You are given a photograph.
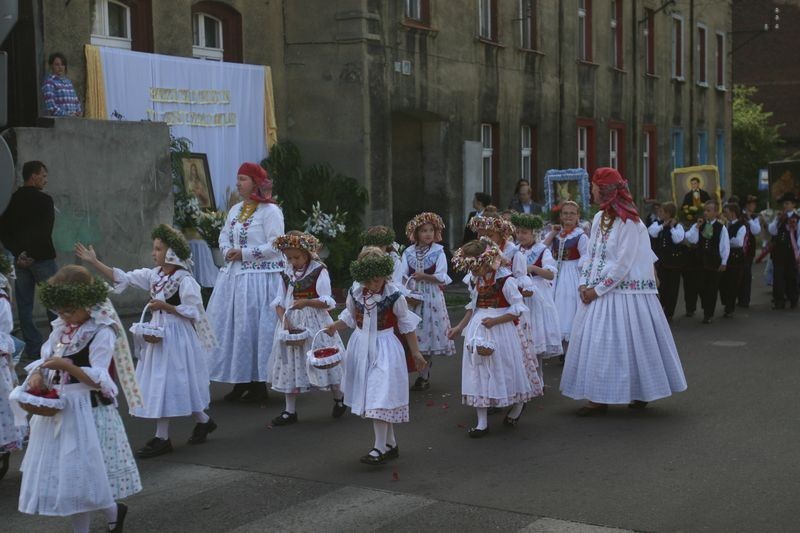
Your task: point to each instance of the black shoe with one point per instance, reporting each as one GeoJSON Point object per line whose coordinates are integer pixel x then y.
{"type": "Point", "coordinates": [421, 384]}
{"type": "Point", "coordinates": [154, 448]}
{"type": "Point", "coordinates": [475, 433]}
{"type": "Point", "coordinates": [201, 431]}
{"type": "Point", "coordinates": [122, 511]}
{"type": "Point", "coordinates": [512, 422]}
{"type": "Point", "coordinates": [256, 392]}
{"type": "Point", "coordinates": [373, 460]}
{"type": "Point", "coordinates": [393, 453]}
{"type": "Point", "coordinates": [4, 457]}
{"type": "Point", "coordinates": [707, 320]}
{"type": "Point", "coordinates": [284, 419]}
{"type": "Point", "coordinates": [339, 408]}
{"type": "Point", "coordinates": [637, 404]}
{"type": "Point", "coordinates": [236, 393]}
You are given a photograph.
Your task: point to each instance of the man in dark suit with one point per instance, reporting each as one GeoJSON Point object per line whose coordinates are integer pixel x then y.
{"type": "Point", "coordinates": [696, 197]}
{"type": "Point", "coordinates": [479, 203]}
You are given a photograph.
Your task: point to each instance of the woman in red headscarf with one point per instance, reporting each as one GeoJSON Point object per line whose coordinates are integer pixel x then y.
{"type": "Point", "coordinates": [239, 310]}
{"type": "Point", "coordinates": [621, 349]}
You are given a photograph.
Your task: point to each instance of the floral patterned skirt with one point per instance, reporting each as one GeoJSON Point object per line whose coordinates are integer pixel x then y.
{"type": "Point", "coordinates": [123, 474]}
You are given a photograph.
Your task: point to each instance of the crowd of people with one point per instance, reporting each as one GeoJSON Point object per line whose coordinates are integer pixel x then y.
{"type": "Point", "coordinates": [598, 294]}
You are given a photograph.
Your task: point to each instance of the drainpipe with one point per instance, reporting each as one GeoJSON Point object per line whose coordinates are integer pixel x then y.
{"type": "Point", "coordinates": [691, 84]}
{"type": "Point", "coordinates": [559, 60]}
{"type": "Point", "coordinates": [635, 133]}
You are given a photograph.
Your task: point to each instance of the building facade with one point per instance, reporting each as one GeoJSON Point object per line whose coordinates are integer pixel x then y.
{"type": "Point", "coordinates": [428, 101]}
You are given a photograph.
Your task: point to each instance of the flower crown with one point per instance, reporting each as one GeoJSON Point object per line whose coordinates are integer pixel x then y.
{"type": "Point", "coordinates": [371, 268]}
{"type": "Point", "coordinates": [420, 220]}
{"type": "Point", "coordinates": [5, 265]}
{"type": "Point", "coordinates": [488, 257]}
{"type": "Point", "coordinates": [304, 241]}
{"type": "Point", "coordinates": [73, 295]}
{"type": "Point", "coordinates": [498, 224]}
{"type": "Point", "coordinates": [524, 220]}
{"type": "Point", "coordinates": [378, 236]}
{"type": "Point", "coordinates": [174, 239]}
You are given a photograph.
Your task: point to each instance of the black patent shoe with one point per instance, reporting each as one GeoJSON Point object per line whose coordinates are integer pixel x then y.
{"type": "Point", "coordinates": [284, 419]}
{"type": "Point", "coordinates": [475, 433]}
{"type": "Point", "coordinates": [256, 392]}
{"type": "Point", "coordinates": [512, 422]}
{"type": "Point", "coordinates": [339, 408]}
{"type": "Point", "coordinates": [373, 460]}
{"type": "Point", "coordinates": [235, 395]}
{"type": "Point", "coordinates": [201, 431]}
{"type": "Point", "coordinates": [393, 452]}
{"type": "Point", "coordinates": [122, 512]}
{"type": "Point", "coordinates": [154, 448]}
{"type": "Point", "coordinates": [4, 457]}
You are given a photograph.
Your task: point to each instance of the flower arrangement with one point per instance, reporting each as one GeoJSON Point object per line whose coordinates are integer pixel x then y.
{"type": "Point", "coordinates": [73, 295]}
{"type": "Point", "coordinates": [372, 268]}
{"type": "Point", "coordinates": [492, 223]}
{"type": "Point", "coordinates": [303, 241]}
{"type": "Point", "coordinates": [187, 210]}
{"type": "Point", "coordinates": [690, 213]}
{"type": "Point", "coordinates": [209, 224]}
{"type": "Point", "coordinates": [323, 224]}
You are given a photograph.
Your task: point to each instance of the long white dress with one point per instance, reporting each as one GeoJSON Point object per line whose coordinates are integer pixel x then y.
{"type": "Point", "coordinates": [64, 470]}
{"type": "Point", "coordinates": [622, 347]}
{"type": "Point", "coordinates": [239, 309]}
{"type": "Point", "coordinates": [509, 375]}
{"type": "Point", "coordinates": [11, 434]}
{"type": "Point", "coordinates": [565, 296]}
{"type": "Point", "coordinates": [375, 381]}
{"type": "Point", "coordinates": [291, 372]}
{"type": "Point", "coordinates": [542, 312]}
{"type": "Point", "coordinates": [434, 323]}
{"type": "Point", "coordinates": [172, 374]}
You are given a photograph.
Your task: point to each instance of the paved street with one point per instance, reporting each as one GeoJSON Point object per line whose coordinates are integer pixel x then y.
{"type": "Point", "coordinates": [720, 457]}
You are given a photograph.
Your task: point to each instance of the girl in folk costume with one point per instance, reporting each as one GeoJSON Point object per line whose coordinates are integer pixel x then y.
{"type": "Point", "coordinates": [172, 372]}
{"type": "Point", "coordinates": [11, 434]}
{"type": "Point", "coordinates": [79, 460]}
{"type": "Point", "coordinates": [244, 322]}
{"type": "Point", "coordinates": [501, 232]}
{"type": "Point", "coordinates": [302, 307]}
{"type": "Point", "coordinates": [541, 269]}
{"type": "Point", "coordinates": [666, 237]}
{"type": "Point", "coordinates": [622, 350]}
{"type": "Point", "coordinates": [375, 382]}
{"type": "Point", "coordinates": [424, 265]}
{"type": "Point", "coordinates": [495, 370]}
{"type": "Point", "coordinates": [568, 244]}
{"type": "Point", "coordinates": [383, 237]}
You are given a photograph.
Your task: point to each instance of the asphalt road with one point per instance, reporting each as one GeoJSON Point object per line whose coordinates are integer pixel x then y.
{"type": "Point", "coordinates": [721, 456]}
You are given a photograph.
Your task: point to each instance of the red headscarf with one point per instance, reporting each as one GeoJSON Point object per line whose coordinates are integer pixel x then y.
{"type": "Point", "coordinates": [614, 194]}
{"type": "Point", "coordinates": [263, 185]}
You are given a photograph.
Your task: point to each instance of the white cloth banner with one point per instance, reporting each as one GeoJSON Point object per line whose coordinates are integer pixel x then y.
{"type": "Point", "coordinates": [218, 106]}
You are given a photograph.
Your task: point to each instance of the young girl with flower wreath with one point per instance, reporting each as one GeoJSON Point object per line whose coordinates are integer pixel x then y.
{"type": "Point", "coordinates": [495, 371]}
{"type": "Point", "coordinates": [500, 231]}
{"type": "Point", "coordinates": [172, 373]}
{"type": "Point", "coordinates": [303, 305]}
{"type": "Point", "coordinates": [375, 382]}
{"type": "Point", "coordinates": [541, 270]}
{"type": "Point", "coordinates": [11, 434]}
{"type": "Point", "coordinates": [568, 242]}
{"type": "Point", "coordinates": [424, 265]}
{"type": "Point", "coordinates": [79, 460]}
{"type": "Point", "coordinates": [383, 237]}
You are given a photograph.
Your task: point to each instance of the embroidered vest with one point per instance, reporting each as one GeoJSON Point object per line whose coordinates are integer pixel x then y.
{"type": "Point", "coordinates": [670, 255]}
{"type": "Point", "coordinates": [709, 248]}
{"type": "Point", "coordinates": [386, 317]}
{"type": "Point", "coordinates": [491, 296]}
{"type": "Point", "coordinates": [571, 252]}
{"type": "Point", "coordinates": [305, 288]}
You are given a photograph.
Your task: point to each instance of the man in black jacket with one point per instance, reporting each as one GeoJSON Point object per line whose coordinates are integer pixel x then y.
{"type": "Point", "coordinates": [479, 203]}
{"type": "Point", "coordinates": [26, 229]}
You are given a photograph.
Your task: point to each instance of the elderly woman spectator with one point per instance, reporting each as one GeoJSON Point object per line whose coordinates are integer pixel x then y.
{"type": "Point", "coordinates": [60, 99]}
{"type": "Point", "coordinates": [522, 202]}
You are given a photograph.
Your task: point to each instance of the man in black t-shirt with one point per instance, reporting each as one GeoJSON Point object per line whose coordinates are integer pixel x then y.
{"type": "Point", "coordinates": [26, 229]}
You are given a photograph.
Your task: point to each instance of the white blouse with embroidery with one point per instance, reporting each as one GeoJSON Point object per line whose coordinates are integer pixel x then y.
{"type": "Point", "coordinates": [254, 238]}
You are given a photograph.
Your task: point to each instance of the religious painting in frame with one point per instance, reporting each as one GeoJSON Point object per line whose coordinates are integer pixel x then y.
{"type": "Point", "coordinates": [569, 184]}
{"type": "Point", "coordinates": [197, 180]}
{"type": "Point", "coordinates": [784, 176]}
{"type": "Point", "coordinates": [692, 187]}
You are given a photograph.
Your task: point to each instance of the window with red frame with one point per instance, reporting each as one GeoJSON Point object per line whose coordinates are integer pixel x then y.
{"type": "Point", "coordinates": [586, 145]}
{"type": "Point", "coordinates": [231, 28]}
{"type": "Point", "coordinates": [720, 60]}
{"type": "Point", "coordinates": [649, 161]}
{"type": "Point", "coordinates": [616, 146]}
{"type": "Point", "coordinates": [527, 25]}
{"type": "Point", "coordinates": [418, 11]}
{"type": "Point", "coordinates": [487, 20]}
{"type": "Point", "coordinates": [650, 42]}
{"type": "Point", "coordinates": [677, 47]}
{"type": "Point", "coordinates": [585, 30]}
{"type": "Point", "coordinates": [702, 56]}
{"type": "Point", "coordinates": [617, 51]}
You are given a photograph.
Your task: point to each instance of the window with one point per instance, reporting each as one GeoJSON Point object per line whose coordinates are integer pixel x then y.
{"type": "Point", "coordinates": [585, 30]}
{"type": "Point", "coordinates": [702, 147]}
{"type": "Point", "coordinates": [206, 37]}
{"type": "Point", "coordinates": [487, 15]}
{"type": "Point", "coordinates": [487, 142]}
{"type": "Point", "coordinates": [720, 156]}
{"type": "Point", "coordinates": [111, 24]}
{"type": "Point", "coordinates": [650, 42]}
{"type": "Point", "coordinates": [616, 34]}
{"type": "Point", "coordinates": [527, 24]}
{"type": "Point", "coordinates": [649, 146]}
{"type": "Point", "coordinates": [526, 153]}
{"type": "Point", "coordinates": [720, 55]}
{"type": "Point", "coordinates": [586, 145]}
{"type": "Point", "coordinates": [677, 47]}
{"type": "Point", "coordinates": [702, 56]}
{"type": "Point", "coordinates": [418, 10]}
{"type": "Point", "coordinates": [616, 146]}
{"type": "Point", "coordinates": [677, 148]}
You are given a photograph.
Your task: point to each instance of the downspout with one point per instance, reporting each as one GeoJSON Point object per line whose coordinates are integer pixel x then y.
{"type": "Point", "coordinates": [635, 133]}
{"type": "Point", "coordinates": [560, 62]}
{"type": "Point", "coordinates": [691, 78]}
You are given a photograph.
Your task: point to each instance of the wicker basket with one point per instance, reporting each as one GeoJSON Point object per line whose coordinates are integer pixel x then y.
{"type": "Point", "coordinates": [293, 336]}
{"type": "Point", "coordinates": [39, 410]}
{"type": "Point", "coordinates": [147, 330]}
{"type": "Point", "coordinates": [526, 293]}
{"type": "Point", "coordinates": [323, 358]}
{"type": "Point", "coordinates": [46, 407]}
{"type": "Point", "coordinates": [482, 346]}
{"type": "Point", "coordinates": [414, 297]}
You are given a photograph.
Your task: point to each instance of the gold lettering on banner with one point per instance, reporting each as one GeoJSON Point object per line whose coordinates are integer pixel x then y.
{"type": "Point", "coordinates": [170, 95]}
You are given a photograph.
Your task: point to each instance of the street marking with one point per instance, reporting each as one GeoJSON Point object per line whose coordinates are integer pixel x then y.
{"type": "Point", "coordinates": [729, 344]}
{"type": "Point", "coordinates": [551, 525]}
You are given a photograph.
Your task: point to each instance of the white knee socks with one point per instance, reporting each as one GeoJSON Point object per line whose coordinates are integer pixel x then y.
{"type": "Point", "coordinates": [381, 429]}
{"type": "Point", "coordinates": [111, 515]}
{"type": "Point", "coordinates": [200, 417]}
{"type": "Point", "coordinates": [516, 410]}
{"type": "Point", "coordinates": [483, 418]}
{"type": "Point", "coordinates": [291, 403]}
{"type": "Point", "coordinates": [162, 428]}
{"type": "Point", "coordinates": [337, 394]}
{"type": "Point", "coordinates": [390, 440]}
{"type": "Point", "coordinates": [81, 522]}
